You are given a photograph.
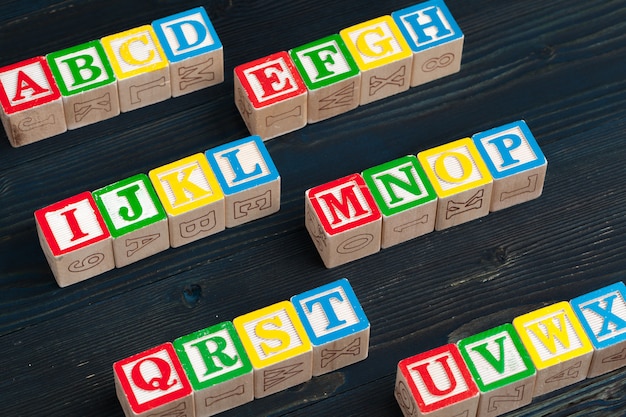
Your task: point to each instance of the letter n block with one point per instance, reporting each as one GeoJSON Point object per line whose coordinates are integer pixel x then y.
{"type": "Point", "coordinates": [336, 325]}
{"type": "Point", "coordinates": [32, 108]}
{"type": "Point", "coordinates": [436, 384]}
{"type": "Point", "coordinates": [603, 316]}
{"type": "Point", "coordinates": [278, 347]}
{"type": "Point", "coordinates": [75, 239]}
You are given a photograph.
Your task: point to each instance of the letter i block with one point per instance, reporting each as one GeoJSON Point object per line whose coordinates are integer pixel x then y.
{"type": "Point", "coordinates": [405, 197]}
{"type": "Point", "coordinates": [191, 197]}
{"type": "Point", "coordinates": [135, 217]}
{"type": "Point", "coordinates": [140, 65]}
{"type": "Point", "coordinates": [75, 239]}
{"type": "Point", "coordinates": [516, 163]}
{"type": "Point", "coordinates": [435, 39]}
{"type": "Point", "coordinates": [603, 316]}
{"type": "Point", "coordinates": [271, 96]}
{"type": "Point", "coordinates": [277, 346]}
{"type": "Point", "coordinates": [249, 179]}
{"type": "Point", "coordinates": [436, 383]}
{"type": "Point", "coordinates": [461, 180]}
{"type": "Point", "coordinates": [502, 369]}
{"type": "Point", "coordinates": [343, 220]}
{"type": "Point", "coordinates": [331, 76]}
{"type": "Point", "coordinates": [87, 83]}
{"type": "Point", "coordinates": [217, 367]}
{"type": "Point", "coordinates": [32, 108]}
{"type": "Point", "coordinates": [557, 344]}
{"type": "Point", "coordinates": [153, 383]}
{"type": "Point", "coordinates": [193, 49]}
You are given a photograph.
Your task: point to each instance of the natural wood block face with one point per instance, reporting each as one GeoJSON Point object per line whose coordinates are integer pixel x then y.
{"type": "Point", "coordinates": [278, 347]}
{"type": "Point", "coordinates": [74, 239]}
{"type": "Point", "coordinates": [461, 180]}
{"type": "Point", "coordinates": [405, 197]}
{"type": "Point", "coordinates": [32, 108]}
{"type": "Point", "coordinates": [336, 325]}
{"type": "Point", "coordinates": [602, 314]}
{"type": "Point", "coordinates": [516, 163]}
{"type": "Point", "coordinates": [194, 51]}
{"type": "Point", "coordinates": [435, 40]}
{"type": "Point", "coordinates": [557, 344]}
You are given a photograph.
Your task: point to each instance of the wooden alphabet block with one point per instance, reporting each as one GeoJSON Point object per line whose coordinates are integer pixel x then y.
{"type": "Point", "coordinates": [405, 197]}
{"type": "Point", "coordinates": [502, 369]}
{"type": "Point", "coordinates": [602, 314]}
{"type": "Point", "coordinates": [436, 383]}
{"type": "Point", "coordinates": [383, 56]}
{"type": "Point", "coordinates": [332, 77]}
{"type": "Point", "coordinates": [278, 347]}
{"type": "Point", "coordinates": [461, 180]}
{"type": "Point", "coordinates": [516, 163]}
{"type": "Point", "coordinates": [343, 220]}
{"type": "Point", "coordinates": [140, 65]}
{"type": "Point", "coordinates": [271, 96]}
{"type": "Point", "coordinates": [218, 369]}
{"type": "Point", "coordinates": [435, 39]}
{"type": "Point", "coordinates": [74, 239]}
{"type": "Point", "coordinates": [135, 218]}
{"type": "Point", "coordinates": [31, 104]}
{"type": "Point", "coordinates": [248, 178]}
{"type": "Point", "coordinates": [336, 325]}
{"type": "Point", "coordinates": [87, 84]}
{"type": "Point", "coordinates": [193, 49]}
{"type": "Point", "coordinates": [557, 344]}
{"type": "Point", "coordinates": [192, 198]}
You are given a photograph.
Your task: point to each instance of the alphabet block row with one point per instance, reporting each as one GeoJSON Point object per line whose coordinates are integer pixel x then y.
{"type": "Point", "coordinates": [175, 204]}
{"type": "Point", "coordinates": [357, 215]}
{"type": "Point", "coordinates": [44, 96]}
{"type": "Point", "coordinates": [504, 368]}
{"type": "Point", "coordinates": [255, 355]}
{"type": "Point", "coordinates": [284, 91]}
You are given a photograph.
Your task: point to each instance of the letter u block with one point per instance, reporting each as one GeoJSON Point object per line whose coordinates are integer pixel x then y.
{"type": "Point", "coordinates": [278, 347]}
{"type": "Point", "coordinates": [436, 383]}
{"type": "Point", "coordinates": [74, 239]}
{"type": "Point", "coordinates": [343, 220]}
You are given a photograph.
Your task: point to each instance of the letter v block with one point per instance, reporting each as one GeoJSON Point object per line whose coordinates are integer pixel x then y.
{"type": "Point", "coordinates": [603, 316]}
{"type": "Point", "coordinates": [336, 325]}
{"type": "Point", "coordinates": [75, 239]}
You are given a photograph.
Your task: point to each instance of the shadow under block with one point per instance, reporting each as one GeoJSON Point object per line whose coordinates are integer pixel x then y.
{"type": "Point", "coordinates": [461, 180]}
{"type": "Point", "coordinates": [218, 369]}
{"type": "Point", "coordinates": [516, 163]}
{"type": "Point", "coordinates": [278, 347]}
{"type": "Point", "coordinates": [191, 197]}
{"type": "Point", "coordinates": [336, 325]}
{"type": "Point", "coordinates": [32, 107]}
{"type": "Point", "coordinates": [602, 314]}
{"type": "Point", "coordinates": [343, 220]}
{"type": "Point", "coordinates": [405, 197]}
{"type": "Point", "coordinates": [74, 239]}
{"type": "Point", "coordinates": [435, 39]}
{"type": "Point", "coordinates": [194, 51]}
{"type": "Point", "coordinates": [270, 95]}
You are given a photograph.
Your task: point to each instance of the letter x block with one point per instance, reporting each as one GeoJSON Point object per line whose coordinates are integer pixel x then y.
{"type": "Point", "coordinates": [602, 314]}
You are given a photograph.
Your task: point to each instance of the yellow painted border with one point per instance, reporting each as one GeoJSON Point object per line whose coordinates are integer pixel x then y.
{"type": "Point", "coordinates": [121, 74]}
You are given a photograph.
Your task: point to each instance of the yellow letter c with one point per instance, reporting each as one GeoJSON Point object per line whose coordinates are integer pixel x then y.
{"type": "Point", "coordinates": [126, 53]}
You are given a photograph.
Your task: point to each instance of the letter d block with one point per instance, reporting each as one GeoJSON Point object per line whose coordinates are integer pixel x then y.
{"type": "Point", "coordinates": [75, 239]}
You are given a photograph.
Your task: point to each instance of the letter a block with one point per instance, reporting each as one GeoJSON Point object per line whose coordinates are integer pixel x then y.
{"type": "Point", "coordinates": [217, 367]}
{"type": "Point", "coordinates": [74, 239]}
{"type": "Point", "coordinates": [603, 316]}
{"type": "Point", "coordinates": [557, 344]}
{"type": "Point", "coordinates": [193, 49]}
{"type": "Point", "coordinates": [336, 325]}
{"type": "Point", "coordinates": [343, 220]}
{"type": "Point", "coordinates": [278, 347]}
{"type": "Point", "coordinates": [436, 384]}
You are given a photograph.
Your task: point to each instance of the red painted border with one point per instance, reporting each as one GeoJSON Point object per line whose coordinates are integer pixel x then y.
{"type": "Point", "coordinates": [6, 103]}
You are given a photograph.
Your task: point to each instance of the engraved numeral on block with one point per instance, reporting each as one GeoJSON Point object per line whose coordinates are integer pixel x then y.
{"type": "Point", "coordinates": [86, 263]}
{"type": "Point", "coordinates": [438, 62]}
